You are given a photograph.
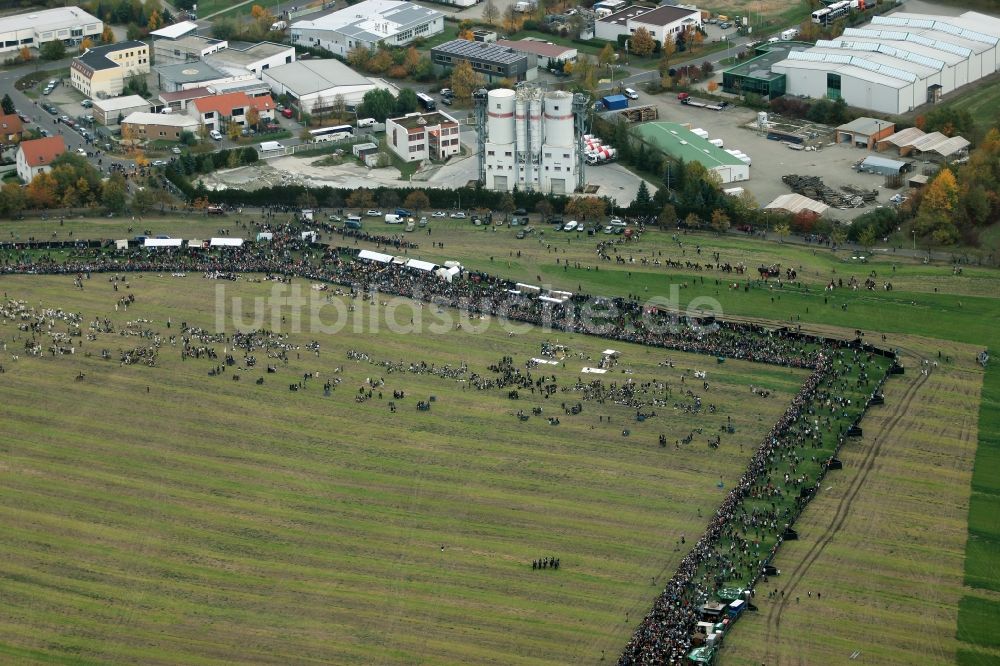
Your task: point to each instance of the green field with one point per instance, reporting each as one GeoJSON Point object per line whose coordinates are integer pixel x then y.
{"type": "Point", "coordinates": [885, 541]}
{"type": "Point", "coordinates": [217, 521]}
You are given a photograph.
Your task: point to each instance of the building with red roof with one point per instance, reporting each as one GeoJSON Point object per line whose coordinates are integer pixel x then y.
{"type": "Point", "coordinates": [218, 111]}
{"type": "Point", "coordinates": [36, 156]}
{"type": "Point", "coordinates": [10, 127]}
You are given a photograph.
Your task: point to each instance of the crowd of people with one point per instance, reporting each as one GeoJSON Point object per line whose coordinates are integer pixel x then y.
{"type": "Point", "coordinates": [730, 548]}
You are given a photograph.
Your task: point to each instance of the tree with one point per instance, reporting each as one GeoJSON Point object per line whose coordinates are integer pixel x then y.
{"type": "Point", "coordinates": [85, 44]}
{"type": "Point", "coordinates": [154, 22]}
{"type": "Point", "coordinates": [607, 56]}
{"type": "Point", "coordinates": [692, 221]}
{"type": "Point", "coordinates": [667, 51]}
{"type": "Point", "coordinates": [25, 54]}
{"type": "Point", "coordinates": [261, 15]}
{"type": "Point", "coordinates": [42, 191]}
{"type": "Point", "coordinates": [490, 12]}
{"type": "Point", "coordinates": [507, 205]}
{"type": "Point", "coordinates": [712, 86]}
{"type": "Point", "coordinates": [12, 200]}
{"type": "Point", "coordinates": [719, 221]}
{"type": "Point", "coordinates": [950, 121]}
{"type": "Point", "coordinates": [378, 104]}
{"type": "Point", "coordinates": [339, 107]}
{"type": "Point", "coordinates": [358, 57]}
{"type": "Point", "coordinates": [225, 28]}
{"type": "Point", "coordinates": [867, 238]}
{"type": "Point", "coordinates": [144, 200]}
{"type": "Point", "coordinates": [406, 102]}
{"type": "Point", "coordinates": [54, 50]}
{"type": "Point", "coordinates": [642, 43]}
{"type": "Point", "coordinates": [783, 230]}
{"type": "Point", "coordinates": [7, 104]}
{"type": "Point", "coordinates": [381, 61]}
{"type": "Point", "coordinates": [544, 208]}
{"type": "Point", "coordinates": [642, 198]}
{"type": "Point", "coordinates": [838, 236]}
{"type": "Point", "coordinates": [586, 208]}
{"type": "Point", "coordinates": [417, 201]}
{"type": "Point", "coordinates": [108, 35]}
{"type": "Point", "coordinates": [233, 130]}
{"type": "Point", "coordinates": [361, 198]}
{"type": "Point", "coordinates": [465, 81]}
{"type": "Point", "coordinates": [388, 198]}
{"type": "Point", "coordinates": [667, 217]}
{"type": "Point", "coordinates": [512, 20]}
{"type": "Point", "coordinates": [253, 117]}
{"type": "Point", "coordinates": [941, 195]}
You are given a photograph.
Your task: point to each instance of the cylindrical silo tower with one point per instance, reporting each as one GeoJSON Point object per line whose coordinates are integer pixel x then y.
{"type": "Point", "coordinates": [500, 116]}
{"type": "Point", "coordinates": [521, 125]}
{"type": "Point", "coordinates": [535, 126]}
{"type": "Point", "coordinates": [558, 118]}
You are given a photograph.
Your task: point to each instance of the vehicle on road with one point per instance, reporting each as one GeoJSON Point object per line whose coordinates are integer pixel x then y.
{"type": "Point", "coordinates": [631, 94]}
{"type": "Point", "coordinates": [457, 216]}
{"type": "Point", "coordinates": [426, 101]}
{"type": "Point", "coordinates": [86, 104]}
{"type": "Point", "coordinates": [176, 150]}
{"type": "Point", "coordinates": [725, 26]}
{"type": "Point", "coordinates": [159, 163]}
{"type": "Point", "coordinates": [373, 213]}
{"type": "Point", "coordinates": [81, 151]}
{"type": "Point", "coordinates": [286, 113]}
{"type": "Point", "coordinates": [439, 213]}
{"type": "Point", "coordinates": [570, 226]}
{"type": "Point", "coordinates": [216, 135]}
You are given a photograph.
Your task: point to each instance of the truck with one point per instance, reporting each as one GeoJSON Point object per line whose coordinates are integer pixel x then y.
{"type": "Point", "coordinates": [392, 218]}
{"type": "Point", "coordinates": [279, 25]}
{"type": "Point", "coordinates": [685, 98]}
{"type": "Point", "coordinates": [790, 34]}
{"type": "Point", "coordinates": [269, 146]}
{"type": "Point", "coordinates": [601, 155]}
{"type": "Point", "coordinates": [614, 102]}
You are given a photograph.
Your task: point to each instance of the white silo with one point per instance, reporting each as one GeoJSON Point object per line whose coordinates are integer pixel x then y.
{"type": "Point", "coordinates": [558, 118]}
{"type": "Point", "coordinates": [521, 122]}
{"type": "Point", "coordinates": [500, 116]}
{"type": "Point", "coordinates": [535, 122]}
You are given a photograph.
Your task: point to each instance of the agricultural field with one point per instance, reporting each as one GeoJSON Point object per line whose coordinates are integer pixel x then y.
{"type": "Point", "coordinates": [903, 543]}
{"type": "Point", "coordinates": [160, 514]}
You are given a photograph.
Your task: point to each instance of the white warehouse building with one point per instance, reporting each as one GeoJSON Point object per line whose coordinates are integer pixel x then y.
{"type": "Point", "coordinates": [368, 24]}
{"type": "Point", "coordinates": [531, 140]}
{"type": "Point", "coordinates": [315, 86]}
{"type": "Point", "coordinates": [34, 28]}
{"type": "Point", "coordinates": [897, 62]}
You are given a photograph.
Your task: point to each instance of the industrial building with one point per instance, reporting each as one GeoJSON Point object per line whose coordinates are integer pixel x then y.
{"type": "Point", "coordinates": [421, 136]}
{"type": "Point", "coordinates": [34, 28]}
{"type": "Point", "coordinates": [530, 139]}
{"type": "Point", "coordinates": [546, 53]}
{"type": "Point", "coordinates": [864, 132]}
{"type": "Point", "coordinates": [368, 24]}
{"type": "Point", "coordinates": [174, 31]}
{"type": "Point", "coordinates": [754, 76]}
{"type": "Point", "coordinates": [107, 111]}
{"type": "Point", "coordinates": [913, 141]}
{"type": "Point", "coordinates": [315, 85]}
{"type": "Point", "coordinates": [663, 22]}
{"type": "Point", "coordinates": [102, 71]}
{"type": "Point", "coordinates": [681, 143]}
{"type": "Point", "coordinates": [897, 62]}
{"type": "Point", "coordinates": [493, 61]}
{"type": "Point", "coordinates": [253, 58]}
{"type": "Point", "coordinates": [159, 126]}
{"type": "Point", "coordinates": [183, 76]}
{"type": "Point", "coordinates": [188, 48]}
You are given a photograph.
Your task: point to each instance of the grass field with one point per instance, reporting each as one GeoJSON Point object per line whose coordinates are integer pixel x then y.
{"type": "Point", "coordinates": [215, 521]}
{"type": "Point", "coordinates": [889, 562]}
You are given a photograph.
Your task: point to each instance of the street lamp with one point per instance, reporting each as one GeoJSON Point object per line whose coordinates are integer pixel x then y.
{"type": "Point", "coordinates": [914, 232]}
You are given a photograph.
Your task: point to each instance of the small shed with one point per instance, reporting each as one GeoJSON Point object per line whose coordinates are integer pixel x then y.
{"type": "Point", "coordinates": [865, 132]}
{"type": "Point", "coordinates": [883, 166]}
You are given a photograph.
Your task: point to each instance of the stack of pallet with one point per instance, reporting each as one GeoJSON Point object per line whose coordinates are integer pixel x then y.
{"type": "Point", "coordinates": [813, 187]}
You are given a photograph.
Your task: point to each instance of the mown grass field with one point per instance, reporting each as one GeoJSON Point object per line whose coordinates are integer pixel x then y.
{"type": "Point", "coordinates": [899, 545]}
{"type": "Point", "coordinates": [215, 521]}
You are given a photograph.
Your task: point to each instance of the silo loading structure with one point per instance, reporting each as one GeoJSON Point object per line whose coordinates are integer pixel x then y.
{"type": "Point", "coordinates": [532, 140]}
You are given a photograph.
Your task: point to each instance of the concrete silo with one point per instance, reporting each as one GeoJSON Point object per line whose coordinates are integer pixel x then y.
{"type": "Point", "coordinates": [500, 140]}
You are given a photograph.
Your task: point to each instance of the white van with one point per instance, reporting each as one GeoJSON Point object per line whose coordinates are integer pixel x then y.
{"type": "Point", "coordinates": [215, 135]}
{"type": "Point", "coordinates": [392, 218]}
{"type": "Point", "coordinates": [631, 94]}
{"type": "Point", "coordinates": [366, 122]}
{"type": "Point", "coordinates": [789, 34]}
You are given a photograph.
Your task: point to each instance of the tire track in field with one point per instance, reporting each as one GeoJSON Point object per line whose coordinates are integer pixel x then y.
{"type": "Point", "coordinates": [772, 634]}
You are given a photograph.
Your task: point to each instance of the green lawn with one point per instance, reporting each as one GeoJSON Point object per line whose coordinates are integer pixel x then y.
{"type": "Point", "coordinates": [214, 521]}
{"type": "Point", "coordinates": [983, 102]}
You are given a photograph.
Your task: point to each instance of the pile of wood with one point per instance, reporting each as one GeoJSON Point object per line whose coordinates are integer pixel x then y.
{"type": "Point", "coordinates": [867, 195]}
{"type": "Point", "coordinates": [640, 114]}
{"type": "Point", "coordinates": [813, 187]}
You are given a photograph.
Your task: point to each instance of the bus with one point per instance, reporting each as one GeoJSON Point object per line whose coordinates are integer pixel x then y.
{"type": "Point", "coordinates": [335, 133]}
{"type": "Point", "coordinates": [829, 14]}
{"type": "Point", "coordinates": [426, 101]}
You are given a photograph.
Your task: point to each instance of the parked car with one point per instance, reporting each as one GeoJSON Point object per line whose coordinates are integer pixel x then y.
{"type": "Point", "coordinates": [609, 229]}
{"type": "Point", "coordinates": [617, 222]}
{"type": "Point", "coordinates": [439, 213]}
{"type": "Point", "coordinates": [519, 235]}
{"type": "Point", "coordinates": [81, 151]}
{"type": "Point", "coordinates": [286, 113]}
{"type": "Point", "coordinates": [216, 135]}
{"type": "Point", "coordinates": [159, 163]}
{"type": "Point", "coordinates": [458, 216]}
{"type": "Point", "coordinates": [570, 226]}
{"type": "Point", "coordinates": [447, 101]}
{"type": "Point", "coordinates": [631, 94]}
{"type": "Point", "coordinates": [176, 150]}
{"type": "Point", "coordinates": [423, 221]}
{"type": "Point", "coordinates": [86, 104]}
{"type": "Point", "coordinates": [446, 92]}
{"type": "Point", "coordinates": [725, 26]}
{"type": "Point", "coordinates": [374, 213]}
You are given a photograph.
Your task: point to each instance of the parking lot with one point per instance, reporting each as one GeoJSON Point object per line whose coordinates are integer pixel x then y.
{"type": "Point", "coordinates": [772, 159]}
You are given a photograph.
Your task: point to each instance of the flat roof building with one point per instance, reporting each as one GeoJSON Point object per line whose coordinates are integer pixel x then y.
{"type": "Point", "coordinates": [864, 132]}
{"type": "Point", "coordinates": [182, 76]}
{"type": "Point", "coordinates": [421, 136]}
{"type": "Point", "coordinates": [315, 85]}
{"type": "Point", "coordinates": [546, 53]}
{"type": "Point", "coordinates": [34, 28]}
{"type": "Point", "coordinates": [662, 23]}
{"type": "Point", "coordinates": [253, 58]}
{"type": "Point", "coordinates": [681, 143]}
{"type": "Point", "coordinates": [159, 126]}
{"type": "Point", "coordinates": [188, 48]}
{"type": "Point", "coordinates": [106, 111]}
{"type": "Point", "coordinates": [368, 24]}
{"type": "Point", "coordinates": [493, 61]}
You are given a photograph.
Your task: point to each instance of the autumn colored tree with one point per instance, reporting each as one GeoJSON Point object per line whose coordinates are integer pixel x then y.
{"type": "Point", "coordinates": [719, 221]}
{"type": "Point", "coordinates": [253, 117]}
{"type": "Point", "coordinates": [586, 208]}
{"type": "Point", "coordinates": [417, 201]}
{"type": "Point", "coordinates": [936, 217]}
{"type": "Point", "coordinates": [544, 208]}
{"type": "Point", "coordinates": [667, 50]}
{"type": "Point", "coordinates": [783, 231]}
{"type": "Point", "coordinates": [86, 43]}
{"type": "Point", "coordinates": [42, 191]}
{"type": "Point", "coordinates": [155, 22]}
{"type": "Point", "coordinates": [25, 54]}
{"type": "Point", "coordinates": [696, 39]}
{"type": "Point", "coordinates": [512, 21]}
{"type": "Point", "coordinates": [381, 61]}
{"type": "Point", "coordinates": [464, 80]}
{"type": "Point", "coordinates": [642, 43]}
{"type": "Point", "coordinates": [466, 35]}
{"type": "Point", "coordinates": [667, 218]}
{"type": "Point", "coordinates": [260, 14]}
{"type": "Point", "coordinates": [358, 58]}
{"type": "Point", "coordinates": [712, 86]}
{"type": "Point", "coordinates": [607, 56]}
{"type": "Point", "coordinates": [12, 200]}
{"type": "Point", "coordinates": [361, 198]}
{"type": "Point", "coordinates": [233, 130]}
{"type": "Point", "coordinates": [692, 221]}
{"type": "Point", "coordinates": [108, 35]}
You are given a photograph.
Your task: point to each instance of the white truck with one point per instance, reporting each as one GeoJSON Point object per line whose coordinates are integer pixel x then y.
{"type": "Point", "coordinates": [279, 25]}
{"type": "Point", "coordinates": [789, 35]}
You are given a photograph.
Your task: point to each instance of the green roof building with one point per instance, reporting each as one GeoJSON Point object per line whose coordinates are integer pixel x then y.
{"type": "Point", "coordinates": [681, 143]}
{"type": "Point", "coordinates": [755, 75]}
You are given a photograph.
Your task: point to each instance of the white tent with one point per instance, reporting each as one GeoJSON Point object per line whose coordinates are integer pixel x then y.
{"type": "Point", "coordinates": [549, 299]}
{"type": "Point", "coordinates": [375, 256]}
{"type": "Point", "coordinates": [265, 236]}
{"type": "Point", "coordinates": [452, 264]}
{"type": "Point", "coordinates": [528, 288]}
{"type": "Point", "coordinates": [162, 242]}
{"type": "Point", "coordinates": [121, 244]}
{"type": "Point", "coordinates": [309, 235]}
{"type": "Point", "coordinates": [594, 371]}
{"type": "Point", "coordinates": [545, 361]}
{"type": "Point", "coordinates": [227, 242]}
{"type": "Point", "coordinates": [421, 265]}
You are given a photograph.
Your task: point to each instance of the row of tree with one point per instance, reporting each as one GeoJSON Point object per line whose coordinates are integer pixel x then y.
{"type": "Point", "coordinates": [71, 183]}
